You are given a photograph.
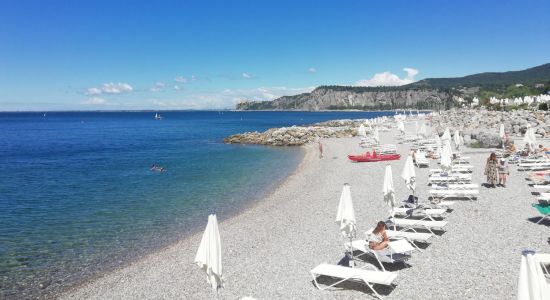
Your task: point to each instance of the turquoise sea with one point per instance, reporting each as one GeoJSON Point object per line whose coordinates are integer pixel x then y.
{"type": "Point", "coordinates": [78, 196]}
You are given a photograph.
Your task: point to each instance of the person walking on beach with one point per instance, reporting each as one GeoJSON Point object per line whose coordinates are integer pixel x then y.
{"type": "Point", "coordinates": [491, 170]}
{"type": "Point", "coordinates": [503, 172]}
{"type": "Point", "coordinates": [320, 149]}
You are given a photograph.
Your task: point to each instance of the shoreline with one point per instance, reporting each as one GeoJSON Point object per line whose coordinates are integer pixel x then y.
{"type": "Point", "coordinates": [195, 233]}
{"type": "Point", "coordinates": [269, 248]}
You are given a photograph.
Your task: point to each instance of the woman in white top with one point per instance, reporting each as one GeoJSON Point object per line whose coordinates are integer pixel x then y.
{"type": "Point", "coordinates": [378, 239]}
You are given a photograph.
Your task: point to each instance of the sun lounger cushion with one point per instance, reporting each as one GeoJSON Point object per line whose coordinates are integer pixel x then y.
{"type": "Point", "coordinates": [377, 277]}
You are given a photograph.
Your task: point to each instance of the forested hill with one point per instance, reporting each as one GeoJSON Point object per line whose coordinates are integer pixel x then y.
{"type": "Point", "coordinates": [429, 93]}
{"type": "Point", "coordinates": [539, 74]}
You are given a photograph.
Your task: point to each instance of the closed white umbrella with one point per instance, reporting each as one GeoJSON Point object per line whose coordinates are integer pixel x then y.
{"type": "Point", "coordinates": [446, 157]}
{"type": "Point", "coordinates": [530, 138]}
{"type": "Point", "coordinates": [361, 131]}
{"type": "Point", "coordinates": [376, 135]}
{"type": "Point", "coordinates": [409, 174]}
{"type": "Point", "coordinates": [422, 130]}
{"type": "Point", "coordinates": [388, 190]}
{"type": "Point", "coordinates": [457, 139]}
{"type": "Point", "coordinates": [401, 126]}
{"type": "Point", "coordinates": [446, 135]}
{"type": "Point", "coordinates": [209, 255]}
{"type": "Point", "coordinates": [345, 216]}
{"type": "Point", "coordinates": [501, 132]}
{"type": "Point", "coordinates": [533, 137]}
{"type": "Point", "coordinates": [532, 283]}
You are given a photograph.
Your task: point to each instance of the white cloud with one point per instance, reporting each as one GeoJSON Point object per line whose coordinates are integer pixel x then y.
{"type": "Point", "coordinates": [227, 98]}
{"type": "Point", "coordinates": [312, 70]}
{"type": "Point", "coordinates": [159, 86]}
{"type": "Point", "coordinates": [94, 91]}
{"type": "Point", "coordinates": [193, 78]}
{"type": "Point", "coordinates": [246, 75]}
{"type": "Point", "coordinates": [180, 79]}
{"type": "Point", "coordinates": [389, 79]}
{"type": "Point", "coordinates": [95, 101]}
{"type": "Point", "coordinates": [177, 87]}
{"type": "Point", "coordinates": [110, 88]}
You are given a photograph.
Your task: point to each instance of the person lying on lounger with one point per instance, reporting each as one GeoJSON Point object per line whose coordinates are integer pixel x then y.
{"type": "Point", "coordinates": [378, 239]}
{"type": "Point", "coordinates": [540, 176]}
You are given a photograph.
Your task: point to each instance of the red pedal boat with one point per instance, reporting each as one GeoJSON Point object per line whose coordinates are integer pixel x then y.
{"type": "Point", "coordinates": [367, 157]}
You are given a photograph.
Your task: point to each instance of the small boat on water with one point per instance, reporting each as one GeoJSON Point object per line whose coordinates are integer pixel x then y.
{"type": "Point", "coordinates": [158, 116]}
{"type": "Point", "coordinates": [374, 157]}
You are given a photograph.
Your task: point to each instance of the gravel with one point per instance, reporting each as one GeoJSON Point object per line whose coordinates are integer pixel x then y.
{"type": "Point", "coordinates": [269, 248]}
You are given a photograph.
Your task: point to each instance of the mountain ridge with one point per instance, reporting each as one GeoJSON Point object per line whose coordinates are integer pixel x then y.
{"type": "Point", "coordinates": [428, 93]}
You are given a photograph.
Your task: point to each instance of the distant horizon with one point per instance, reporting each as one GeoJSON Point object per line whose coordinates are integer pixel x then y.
{"type": "Point", "coordinates": [198, 55]}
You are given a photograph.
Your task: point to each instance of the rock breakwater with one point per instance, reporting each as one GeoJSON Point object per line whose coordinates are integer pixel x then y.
{"type": "Point", "coordinates": [297, 135]}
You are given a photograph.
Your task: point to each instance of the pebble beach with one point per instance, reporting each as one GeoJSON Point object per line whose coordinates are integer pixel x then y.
{"type": "Point", "coordinates": [269, 248]}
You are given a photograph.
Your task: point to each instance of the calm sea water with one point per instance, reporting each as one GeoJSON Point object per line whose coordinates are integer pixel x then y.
{"type": "Point", "coordinates": [77, 195]}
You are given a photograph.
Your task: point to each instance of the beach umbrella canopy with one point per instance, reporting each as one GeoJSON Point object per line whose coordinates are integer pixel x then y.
{"type": "Point", "coordinates": [532, 282]}
{"type": "Point", "coordinates": [422, 130]}
{"type": "Point", "coordinates": [401, 126]}
{"type": "Point", "coordinates": [388, 190]}
{"type": "Point", "coordinates": [361, 131]}
{"type": "Point", "coordinates": [345, 217]}
{"type": "Point", "coordinates": [446, 159]}
{"type": "Point", "coordinates": [501, 132]}
{"type": "Point", "coordinates": [409, 174]}
{"type": "Point", "coordinates": [209, 254]}
{"type": "Point", "coordinates": [529, 137]}
{"type": "Point", "coordinates": [446, 135]}
{"type": "Point", "coordinates": [457, 139]}
{"type": "Point", "coordinates": [376, 135]}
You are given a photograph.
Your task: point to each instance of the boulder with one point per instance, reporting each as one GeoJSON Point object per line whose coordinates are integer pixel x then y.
{"type": "Point", "coordinates": [488, 140]}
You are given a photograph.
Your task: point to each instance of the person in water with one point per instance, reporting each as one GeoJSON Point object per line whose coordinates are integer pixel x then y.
{"type": "Point", "coordinates": [378, 239]}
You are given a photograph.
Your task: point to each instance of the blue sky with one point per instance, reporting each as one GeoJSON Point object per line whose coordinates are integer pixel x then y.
{"type": "Point", "coordinates": [82, 55]}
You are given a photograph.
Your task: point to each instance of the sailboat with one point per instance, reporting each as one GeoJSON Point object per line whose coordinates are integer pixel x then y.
{"type": "Point", "coordinates": [158, 117]}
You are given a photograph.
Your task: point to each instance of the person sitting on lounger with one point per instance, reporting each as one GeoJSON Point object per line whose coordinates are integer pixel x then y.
{"type": "Point", "coordinates": [510, 149]}
{"type": "Point", "coordinates": [378, 239]}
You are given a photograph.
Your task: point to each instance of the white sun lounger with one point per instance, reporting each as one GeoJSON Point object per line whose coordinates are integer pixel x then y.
{"type": "Point", "coordinates": [464, 178]}
{"type": "Point", "coordinates": [411, 236]}
{"type": "Point", "coordinates": [396, 252]}
{"type": "Point", "coordinates": [426, 213]}
{"type": "Point", "coordinates": [421, 160]}
{"type": "Point", "coordinates": [353, 274]}
{"type": "Point", "coordinates": [461, 193]}
{"type": "Point", "coordinates": [412, 223]}
{"type": "Point", "coordinates": [456, 186]}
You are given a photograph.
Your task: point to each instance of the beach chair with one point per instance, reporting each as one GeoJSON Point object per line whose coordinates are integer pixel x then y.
{"type": "Point", "coordinates": [453, 171]}
{"type": "Point", "coordinates": [459, 193]}
{"type": "Point", "coordinates": [368, 277]}
{"type": "Point", "coordinates": [458, 178]}
{"type": "Point", "coordinates": [396, 252]}
{"type": "Point", "coordinates": [411, 236]}
{"type": "Point", "coordinates": [456, 186]}
{"type": "Point", "coordinates": [544, 210]}
{"type": "Point", "coordinates": [419, 211]}
{"type": "Point", "coordinates": [407, 224]}
{"type": "Point", "coordinates": [421, 160]}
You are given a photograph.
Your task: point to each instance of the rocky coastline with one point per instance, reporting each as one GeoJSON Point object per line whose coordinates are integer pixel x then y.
{"type": "Point", "coordinates": [297, 135]}
{"type": "Point", "coordinates": [480, 127]}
